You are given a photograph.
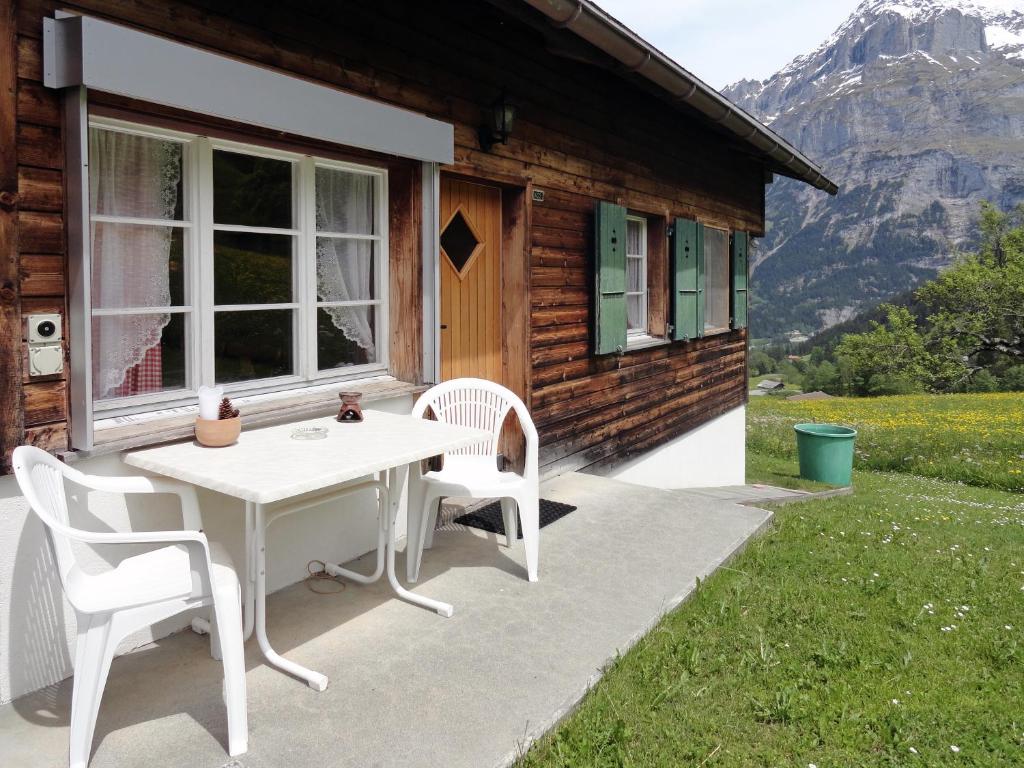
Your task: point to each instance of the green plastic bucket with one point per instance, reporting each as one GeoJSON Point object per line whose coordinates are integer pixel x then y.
{"type": "Point", "coordinates": [826, 452]}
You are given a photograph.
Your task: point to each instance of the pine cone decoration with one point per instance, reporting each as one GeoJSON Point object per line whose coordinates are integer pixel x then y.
{"type": "Point", "coordinates": [227, 411]}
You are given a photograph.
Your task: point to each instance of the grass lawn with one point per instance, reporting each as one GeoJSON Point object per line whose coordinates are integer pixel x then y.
{"type": "Point", "coordinates": [780, 472]}
{"type": "Point", "coordinates": [976, 439]}
{"type": "Point", "coordinates": [878, 629]}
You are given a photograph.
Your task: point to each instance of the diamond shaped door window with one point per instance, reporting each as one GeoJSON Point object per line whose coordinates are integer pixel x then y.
{"type": "Point", "coordinates": [460, 243]}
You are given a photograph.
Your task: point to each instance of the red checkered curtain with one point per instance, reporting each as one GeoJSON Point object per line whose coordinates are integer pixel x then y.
{"type": "Point", "coordinates": [145, 376]}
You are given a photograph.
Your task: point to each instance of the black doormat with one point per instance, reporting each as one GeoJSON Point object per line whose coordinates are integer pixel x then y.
{"type": "Point", "coordinates": [488, 518]}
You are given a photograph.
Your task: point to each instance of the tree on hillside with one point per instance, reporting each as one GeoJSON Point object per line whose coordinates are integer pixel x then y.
{"type": "Point", "coordinates": [823, 377]}
{"type": "Point", "coordinates": [979, 302]}
{"type": "Point", "coordinates": [759, 363]}
{"type": "Point", "coordinates": [890, 359]}
{"type": "Point", "coordinates": [1012, 379]}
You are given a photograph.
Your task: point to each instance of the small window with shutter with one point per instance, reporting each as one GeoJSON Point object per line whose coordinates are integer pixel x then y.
{"type": "Point", "coordinates": [709, 280]}
{"type": "Point", "coordinates": [630, 263]}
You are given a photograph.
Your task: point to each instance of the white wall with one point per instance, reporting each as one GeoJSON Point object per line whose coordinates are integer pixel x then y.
{"type": "Point", "coordinates": [37, 626]}
{"type": "Point", "coordinates": [713, 454]}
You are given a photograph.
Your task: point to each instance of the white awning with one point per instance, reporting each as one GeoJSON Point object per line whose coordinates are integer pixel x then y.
{"type": "Point", "coordinates": [79, 50]}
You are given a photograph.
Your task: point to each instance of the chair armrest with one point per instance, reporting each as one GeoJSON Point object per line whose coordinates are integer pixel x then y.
{"type": "Point", "coordinates": [197, 546]}
{"type": "Point", "coordinates": [531, 467]}
{"type": "Point", "coordinates": [141, 537]}
{"type": "Point", "coordinates": [191, 518]}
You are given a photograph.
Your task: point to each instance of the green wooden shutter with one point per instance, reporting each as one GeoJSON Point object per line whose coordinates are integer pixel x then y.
{"type": "Point", "coordinates": [739, 280]}
{"type": "Point", "coordinates": [687, 280]}
{"type": "Point", "coordinates": [610, 278]}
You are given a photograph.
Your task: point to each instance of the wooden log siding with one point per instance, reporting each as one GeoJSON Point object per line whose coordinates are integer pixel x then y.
{"type": "Point", "coordinates": [34, 411]}
{"type": "Point", "coordinates": [41, 238]}
{"type": "Point", "coordinates": [11, 416]}
{"type": "Point", "coordinates": [576, 142]}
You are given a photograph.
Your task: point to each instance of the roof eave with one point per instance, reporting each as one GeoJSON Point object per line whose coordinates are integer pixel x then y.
{"type": "Point", "coordinates": [606, 33]}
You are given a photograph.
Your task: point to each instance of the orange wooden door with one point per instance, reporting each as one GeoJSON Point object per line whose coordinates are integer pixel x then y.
{"type": "Point", "coordinates": [470, 280]}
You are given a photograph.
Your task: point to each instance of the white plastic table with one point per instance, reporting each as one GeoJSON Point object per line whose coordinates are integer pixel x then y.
{"type": "Point", "coordinates": [268, 470]}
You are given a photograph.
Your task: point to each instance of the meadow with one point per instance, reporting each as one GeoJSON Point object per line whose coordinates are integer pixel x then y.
{"type": "Point", "coordinates": [883, 628]}
{"type": "Point", "coordinates": [977, 439]}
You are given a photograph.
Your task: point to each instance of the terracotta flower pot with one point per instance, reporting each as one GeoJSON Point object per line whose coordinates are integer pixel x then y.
{"type": "Point", "coordinates": [216, 433]}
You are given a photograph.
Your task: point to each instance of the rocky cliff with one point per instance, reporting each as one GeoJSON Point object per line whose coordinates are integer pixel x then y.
{"type": "Point", "coordinates": [916, 108]}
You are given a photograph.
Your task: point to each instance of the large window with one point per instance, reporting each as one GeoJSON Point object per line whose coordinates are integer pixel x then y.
{"type": "Point", "coordinates": [217, 262]}
{"type": "Point", "coordinates": [716, 280]}
{"type": "Point", "coordinates": [636, 277]}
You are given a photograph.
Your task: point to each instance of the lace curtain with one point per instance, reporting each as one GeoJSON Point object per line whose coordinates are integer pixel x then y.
{"type": "Point", "coordinates": [130, 176]}
{"type": "Point", "coordinates": [344, 266]}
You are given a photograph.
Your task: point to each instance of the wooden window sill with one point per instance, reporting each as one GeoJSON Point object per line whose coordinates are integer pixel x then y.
{"type": "Point", "coordinates": [122, 434]}
{"type": "Point", "coordinates": [715, 331]}
{"type": "Point", "coordinates": [645, 342]}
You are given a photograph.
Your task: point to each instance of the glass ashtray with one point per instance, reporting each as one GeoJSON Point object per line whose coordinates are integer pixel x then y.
{"type": "Point", "coordinates": [309, 433]}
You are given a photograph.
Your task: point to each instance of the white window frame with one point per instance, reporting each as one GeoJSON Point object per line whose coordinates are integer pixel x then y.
{"type": "Point", "coordinates": [380, 303]}
{"type": "Point", "coordinates": [637, 335]}
{"type": "Point", "coordinates": [199, 272]}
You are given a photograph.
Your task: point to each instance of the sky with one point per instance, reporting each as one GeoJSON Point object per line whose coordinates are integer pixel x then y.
{"type": "Point", "coordinates": [722, 41]}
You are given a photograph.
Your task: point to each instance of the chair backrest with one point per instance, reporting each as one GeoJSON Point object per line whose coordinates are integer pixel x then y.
{"type": "Point", "coordinates": [481, 404]}
{"type": "Point", "coordinates": [41, 479]}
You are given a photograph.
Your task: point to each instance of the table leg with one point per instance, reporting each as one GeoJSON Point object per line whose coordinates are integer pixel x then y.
{"type": "Point", "coordinates": [315, 680]}
{"type": "Point", "coordinates": [382, 512]}
{"type": "Point", "coordinates": [396, 480]}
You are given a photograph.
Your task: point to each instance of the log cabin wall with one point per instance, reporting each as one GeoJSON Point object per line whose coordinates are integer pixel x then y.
{"type": "Point", "coordinates": [582, 134]}
{"type": "Point", "coordinates": [37, 249]}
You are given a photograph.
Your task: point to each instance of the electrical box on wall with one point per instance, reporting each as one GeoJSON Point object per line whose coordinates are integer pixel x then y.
{"type": "Point", "coordinates": [45, 350]}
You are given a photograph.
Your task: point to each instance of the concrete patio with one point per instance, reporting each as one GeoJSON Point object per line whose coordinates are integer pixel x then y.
{"type": "Point", "coordinates": [407, 687]}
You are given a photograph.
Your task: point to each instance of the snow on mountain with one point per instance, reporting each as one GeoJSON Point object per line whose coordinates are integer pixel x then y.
{"type": "Point", "coordinates": [1004, 19]}
{"type": "Point", "coordinates": [920, 9]}
{"type": "Point", "coordinates": [1006, 34]}
{"type": "Point", "coordinates": [916, 109]}
{"type": "Point", "coordinates": [1000, 24]}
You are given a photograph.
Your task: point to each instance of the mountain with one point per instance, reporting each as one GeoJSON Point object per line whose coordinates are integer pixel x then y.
{"type": "Point", "coordinates": [916, 109]}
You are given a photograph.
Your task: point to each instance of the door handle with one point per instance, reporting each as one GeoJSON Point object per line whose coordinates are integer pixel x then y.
{"type": "Point", "coordinates": [444, 327]}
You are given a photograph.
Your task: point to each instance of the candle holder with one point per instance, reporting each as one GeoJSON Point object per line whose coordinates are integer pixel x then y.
{"type": "Point", "coordinates": [221, 430]}
{"type": "Point", "coordinates": [218, 433]}
{"type": "Point", "coordinates": [350, 410]}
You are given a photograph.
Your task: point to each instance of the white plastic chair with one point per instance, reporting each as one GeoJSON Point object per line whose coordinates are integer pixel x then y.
{"type": "Point", "coordinates": [473, 472]}
{"type": "Point", "coordinates": [188, 572]}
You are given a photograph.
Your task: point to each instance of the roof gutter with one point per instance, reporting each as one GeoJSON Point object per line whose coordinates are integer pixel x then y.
{"type": "Point", "coordinates": [589, 22]}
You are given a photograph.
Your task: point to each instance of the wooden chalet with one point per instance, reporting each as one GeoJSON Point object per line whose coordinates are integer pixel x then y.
{"type": "Point", "coordinates": [592, 202]}
{"type": "Point", "coordinates": [292, 199]}
{"type": "Point", "coordinates": [597, 241]}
